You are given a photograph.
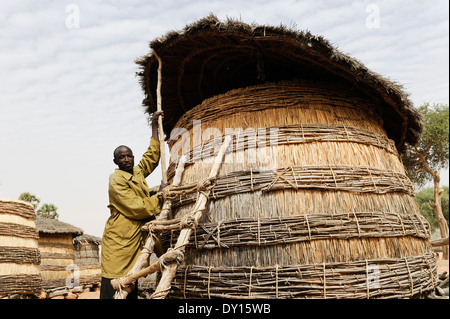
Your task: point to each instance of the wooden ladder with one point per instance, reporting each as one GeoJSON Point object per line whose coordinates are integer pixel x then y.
{"type": "Point", "coordinates": [169, 261]}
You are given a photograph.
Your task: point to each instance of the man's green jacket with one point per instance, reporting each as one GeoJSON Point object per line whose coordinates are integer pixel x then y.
{"type": "Point", "coordinates": [131, 206]}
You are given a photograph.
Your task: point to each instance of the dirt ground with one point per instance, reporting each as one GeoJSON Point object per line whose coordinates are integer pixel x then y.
{"type": "Point", "coordinates": [90, 295]}
{"type": "Point", "coordinates": [441, 264]}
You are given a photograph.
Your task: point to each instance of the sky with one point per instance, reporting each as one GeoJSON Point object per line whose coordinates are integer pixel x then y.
{"type": "Point", "coordinates": [69, 95]}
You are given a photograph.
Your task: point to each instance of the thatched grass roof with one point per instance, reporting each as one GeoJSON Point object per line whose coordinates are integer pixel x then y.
{"type": "Point", "coordinates": [211, 57]}
{"type": "Point", "coordinates": [85, 238]}
{"type": "Point", "coordinates": [54, 226]}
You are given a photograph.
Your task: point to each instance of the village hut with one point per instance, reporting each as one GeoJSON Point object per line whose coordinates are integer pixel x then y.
{"type": "Point", "coordinates": [312, 200]}
{"type": "Point", "coordinates": [58, 268]}
{"type": "Point", "coordinates": [19, 253]}
{"type": "Point", "coordinates": [87, 258]}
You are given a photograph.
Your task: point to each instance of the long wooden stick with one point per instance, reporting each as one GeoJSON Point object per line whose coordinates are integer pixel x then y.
{"type": "Point", "coordinates": [439, 242]}
{"type": "Point", "coordinates": [141, 267]}
{"type": "Point", "coordinates": [167, 206]}
{"type": "Point", "coordinates": [160, 120]}
{"type": "Point", "coordinates": [168, 273]}
{"type": "Point", "coordinates": [123, 283]}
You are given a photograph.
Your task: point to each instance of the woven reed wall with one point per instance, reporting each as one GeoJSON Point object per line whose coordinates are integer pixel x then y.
{"type": "Point", "coordinates": [308, 217]}
{"type": "Point", "coordinates": [19, 253]}
{"type": "Point", "coordinates": [86, 253]}
{"type": "Point", "coordinates": [57, 253]}
{"type": "Point", "coordinates": [87, 259]}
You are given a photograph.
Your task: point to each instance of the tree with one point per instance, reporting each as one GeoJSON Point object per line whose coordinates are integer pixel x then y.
{"type": "Point", "coordinates": [30, 198]}
{"type": "Point", "coordinates": [46, 210]}
{"type": "Point", "coordinates": [423, 199]}
{"type": "Point", "coordinates": [424, 161]}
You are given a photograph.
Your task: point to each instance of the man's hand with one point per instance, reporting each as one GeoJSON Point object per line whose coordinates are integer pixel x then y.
{"type": "Point", "coordinates": [162, 186]}
{"type": "Point", "coordinates": [156, 115]}
{"type": "Point", "coordinates": [155, 130]}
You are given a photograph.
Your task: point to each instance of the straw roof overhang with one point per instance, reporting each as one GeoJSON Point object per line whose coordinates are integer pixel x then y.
{"type": "Point", "coordinates": [211, 57]}
{"type": "Point", "coordinates": [54, 226]}
{"type": "Point", "coordinates": [85, 238]}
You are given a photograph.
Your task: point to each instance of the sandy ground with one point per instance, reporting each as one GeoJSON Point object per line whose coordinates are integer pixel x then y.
{"type": "Point", "coordinates": [90, 295]}
{"type": "Point", "coordinates": [442, 267]}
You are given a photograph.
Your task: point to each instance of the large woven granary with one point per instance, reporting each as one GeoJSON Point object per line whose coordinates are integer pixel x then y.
{"type": "Point", "coordinates": [312, 200]}
{"type": "Point", "coordinates": [19, 253]}
{"type": "Point", "coordinates": [58, 268]}
{"type": "Point", "coordinates": [87, 258]}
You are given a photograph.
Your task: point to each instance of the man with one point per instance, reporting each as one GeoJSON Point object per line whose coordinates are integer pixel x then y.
{"type": "Point", "coordinates": [131, 206]}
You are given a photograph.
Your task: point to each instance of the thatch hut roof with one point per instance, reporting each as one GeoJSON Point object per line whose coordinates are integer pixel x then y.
{"type": "Point", "coordinates": [211, 57]}
{"type": "Point", "coordinates": [85, 238]}
{"type": "Point", "coordinates": [54, 226]}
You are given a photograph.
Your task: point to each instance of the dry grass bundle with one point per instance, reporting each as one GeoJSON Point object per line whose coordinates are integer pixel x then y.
{"type": "Point", "coordinates": [19, 253]}
{"type": "Point", "coordinates": [306, 102]}
{"type": "Point", "coordinates": [285, 135]}
{"type": "Point", "coordinates": [292, 202]}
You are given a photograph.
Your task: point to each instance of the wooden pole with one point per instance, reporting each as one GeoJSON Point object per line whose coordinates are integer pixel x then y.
{"type": "Point", "coordinates": [439, 242]}
{"type": "Point", "coordinates": [160, 120]}
{"type": "Point", "coordinates": [169, 271]}
{"type": "Point", "coordinates": [166, 210]}
{"type": "Point", "coordinates": [125, 282]}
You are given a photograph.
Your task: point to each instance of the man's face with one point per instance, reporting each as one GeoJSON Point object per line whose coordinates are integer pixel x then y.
{"type": "Point", "coordinates": [123, 157]}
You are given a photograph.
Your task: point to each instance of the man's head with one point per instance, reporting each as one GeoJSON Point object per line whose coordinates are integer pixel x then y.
{"type": "Point", "coordinates": [123, 157]}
